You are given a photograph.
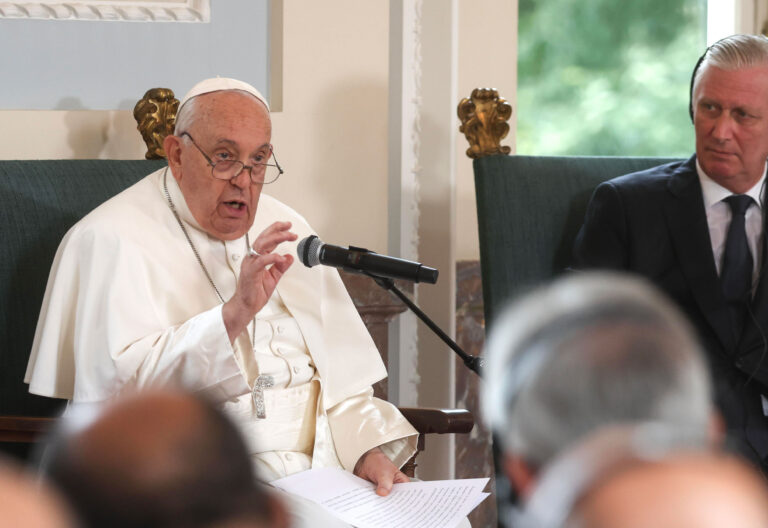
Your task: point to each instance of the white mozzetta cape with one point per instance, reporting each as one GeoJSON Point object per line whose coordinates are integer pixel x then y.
{"type": "Point", "coordinates": [127, 306]}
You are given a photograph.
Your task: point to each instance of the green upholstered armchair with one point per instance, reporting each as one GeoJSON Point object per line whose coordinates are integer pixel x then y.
{"type": "Point", "coordinates": [40, 200]}
{"type": "Point", "coordinates": [529, 208]}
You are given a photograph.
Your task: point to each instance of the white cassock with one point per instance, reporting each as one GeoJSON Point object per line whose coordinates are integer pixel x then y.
{"type": "Point", "coordinates": [128, 306]}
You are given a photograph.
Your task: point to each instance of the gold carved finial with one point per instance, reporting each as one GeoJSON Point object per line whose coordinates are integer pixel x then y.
{"type": "Point", "coordinates": [155, 114]}
{"type": "Point", "coordinates": [484, 122]}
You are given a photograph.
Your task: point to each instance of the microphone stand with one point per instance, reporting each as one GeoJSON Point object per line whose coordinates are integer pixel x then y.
{"type": "Point", "coordinates": [473, 363]}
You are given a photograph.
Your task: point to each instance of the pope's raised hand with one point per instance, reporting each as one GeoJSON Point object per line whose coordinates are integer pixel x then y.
{"type": "Point", "coordinates": [273, 236]}
{"type": "Point", "coordinates": [260, 272]}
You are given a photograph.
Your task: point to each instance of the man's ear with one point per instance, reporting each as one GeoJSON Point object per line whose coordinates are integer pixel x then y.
{"type": "Point", "coordinates": [172, 148]}
{"type": "Point", "coordinates": [520, 474]}
{"type": "Point", "coordinates": [717, 429]}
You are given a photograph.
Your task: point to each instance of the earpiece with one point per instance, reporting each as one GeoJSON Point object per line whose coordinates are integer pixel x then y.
{"type": "Point", "coordinates": [693, 79]}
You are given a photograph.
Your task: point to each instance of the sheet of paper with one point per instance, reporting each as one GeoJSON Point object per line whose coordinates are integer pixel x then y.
{"type": "Point", "coordinates": [434, 504]}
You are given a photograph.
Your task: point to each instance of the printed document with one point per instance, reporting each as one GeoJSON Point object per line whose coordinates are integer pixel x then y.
{"type": "Point", "coordinates": [433, 504]}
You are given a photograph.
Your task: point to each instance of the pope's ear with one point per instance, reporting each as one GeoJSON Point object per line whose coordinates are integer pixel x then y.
{"type": "Point", "coordinates": [172, 148]}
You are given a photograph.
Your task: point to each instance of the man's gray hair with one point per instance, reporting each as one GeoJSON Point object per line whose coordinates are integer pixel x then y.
{"type": "Point", "coordinates": [554, 503]}
{"type": "Point", "coordinates": [588, 350]}
{"type": "Point", "coordinates": [188, 112]}
{"type": "Point", "coordinates": [185, 116]}
{"type": "Point", "coordinates": [734, 53]}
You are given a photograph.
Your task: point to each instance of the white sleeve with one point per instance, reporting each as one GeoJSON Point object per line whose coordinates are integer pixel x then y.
{"type": "Point", "coordinates": [110, 323]}
{"type": "Point", "coordinates": [362, 422]}
{"type": "Point", "coordinates": [196, 355]}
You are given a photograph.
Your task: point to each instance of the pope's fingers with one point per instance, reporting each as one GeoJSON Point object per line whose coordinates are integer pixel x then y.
{"type": "Point", "coordinates": [272, 263]}
{"type": "Point", "coordinates": [384, 484]}
{"type": "Point", "coordinates": [276, 226]}
{"type": "Point", "coordinates": [269, 243]}
{"type": "Point", "coordinates": [280, 267]}
{"type": "Point", "coordinates": [272, 236]}
{"type": "Point", "coordinates": [401, 477]}
{"type": "Point", "coordinates": [256, 262]}
{"type": "Point", "coordinates": [284, 264]}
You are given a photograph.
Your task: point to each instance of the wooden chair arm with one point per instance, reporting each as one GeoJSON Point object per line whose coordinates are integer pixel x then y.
{"type": "Point", "coordinates": [23, 428]}
{"type": "Point", "coordinates": [440, 421]}
{"type": "Point", "coordinates": [424, 420]}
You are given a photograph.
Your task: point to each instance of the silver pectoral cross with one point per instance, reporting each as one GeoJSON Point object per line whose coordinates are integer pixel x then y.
{"type": "Point", "coordinates": [261, 383]}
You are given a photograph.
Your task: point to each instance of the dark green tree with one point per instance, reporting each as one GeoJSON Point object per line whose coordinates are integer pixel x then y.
{"type": "Point", "coordinates": [607, 77]}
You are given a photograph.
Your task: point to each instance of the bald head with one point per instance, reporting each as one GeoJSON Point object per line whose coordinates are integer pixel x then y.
{"type": "Point", "coordinates": [160, 459]}
{"type": "Point", "coordinates": [193, 108]}
{"type": "Point", "coordinates": [24, 502]}
{"type": "Point", "coordinates": [685, 491]}
{"type": "Point", "coordinates": [188, 108]}
{"type": "Point", "coordinates": [152, 441]}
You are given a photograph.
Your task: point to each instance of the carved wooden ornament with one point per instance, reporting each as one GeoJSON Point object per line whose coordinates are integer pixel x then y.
{"type": "Point", "coordinates": [155, 114]}
{"type": "Point", "coordinates": [484, 119]}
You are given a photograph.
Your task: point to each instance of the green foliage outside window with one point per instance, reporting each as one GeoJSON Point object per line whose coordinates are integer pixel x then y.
{"type": "Point", "coordinates": [607, 77]}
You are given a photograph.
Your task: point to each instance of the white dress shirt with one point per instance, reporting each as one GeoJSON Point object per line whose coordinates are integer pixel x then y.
{"type": "Point", "coordinates": [719, 219]}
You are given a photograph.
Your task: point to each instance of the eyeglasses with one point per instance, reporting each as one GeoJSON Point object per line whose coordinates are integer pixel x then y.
{"type": "Point", "coordinates": [228, 169]}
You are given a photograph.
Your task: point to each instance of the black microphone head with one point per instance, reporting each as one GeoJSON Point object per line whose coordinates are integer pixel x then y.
{"type": "Point", "coordinates": [308, 251]}
{"type": "Point", "coordinates": [427, 274]}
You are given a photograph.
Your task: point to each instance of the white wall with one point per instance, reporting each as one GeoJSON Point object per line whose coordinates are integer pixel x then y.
{"type": "Point", "coordinates": [332, 132]}
{"type": "Point", "coordinates": [330, 136]}
{"type": "Point", "coordinates": [487, 59]}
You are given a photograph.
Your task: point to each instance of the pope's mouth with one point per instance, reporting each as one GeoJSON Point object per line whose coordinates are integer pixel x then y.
{"type": "Point", "coordinates": [236, 206]}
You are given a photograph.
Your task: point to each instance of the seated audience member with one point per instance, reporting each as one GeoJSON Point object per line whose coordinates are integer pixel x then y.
{"type": "Point", "coordinates": [588, 350]}
{"type": "Point", "coordinates": [159, 459]}
{"type": "Point", "coordinates": [29, 504]}
{"type": "Point", "coordinates": [647, 476]}
{"type": "Point", "coordinates": [186, 279]}
{"type": "Point", "coordinates": [695, 229]}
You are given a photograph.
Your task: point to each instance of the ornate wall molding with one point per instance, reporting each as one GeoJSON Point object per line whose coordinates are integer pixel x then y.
{"type": "Point", "coordinates": [405, 170]}
{"type": "Point", "coordinates": [111, 11]}
{"type": "Point", "coordinates": [409, 354]}
{"type": "Point", "coordinates": [411, 245]}
{"type": "Point", "coordinates": [416, 106]}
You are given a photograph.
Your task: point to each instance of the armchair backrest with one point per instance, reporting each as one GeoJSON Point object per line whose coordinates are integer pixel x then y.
{"type": "Point", "coordinates": [529, 210]}
{"type": "Point", "coordinates": [40, 201]}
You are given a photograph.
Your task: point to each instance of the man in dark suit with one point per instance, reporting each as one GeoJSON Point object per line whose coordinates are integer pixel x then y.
{"type": "Point", "coordinates": [679, 226]}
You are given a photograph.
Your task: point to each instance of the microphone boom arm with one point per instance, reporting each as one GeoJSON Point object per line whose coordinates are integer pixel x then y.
{"type": "Point", "coordinates": [473, 363]}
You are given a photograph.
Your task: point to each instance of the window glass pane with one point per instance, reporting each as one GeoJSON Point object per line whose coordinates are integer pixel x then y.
{"type": "Point", "coordinates": [607, 77]}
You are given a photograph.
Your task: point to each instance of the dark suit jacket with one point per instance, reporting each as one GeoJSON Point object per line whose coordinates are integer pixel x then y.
{"type": "Point", "coordinates": [653, 223]}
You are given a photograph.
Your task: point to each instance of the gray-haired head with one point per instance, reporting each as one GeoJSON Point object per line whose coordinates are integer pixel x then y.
{"type": "Point", "coordinates": [588, 350]}
{"type": "Point", "coordinates": [188, 107]}
{"type": "Point", "coordinates": [735, 52]}
{"type": "Point", "coordinates": [589, 462]}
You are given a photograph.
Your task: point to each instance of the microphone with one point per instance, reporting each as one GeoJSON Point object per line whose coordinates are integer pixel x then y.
{"type": "Point", "coordinates": [312, 251]}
